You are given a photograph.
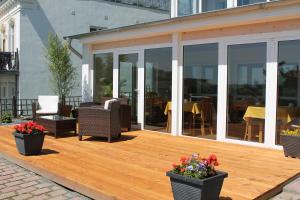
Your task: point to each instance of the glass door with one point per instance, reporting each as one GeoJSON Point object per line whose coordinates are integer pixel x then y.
{"type": "Point", "coordinates": [128, 81]}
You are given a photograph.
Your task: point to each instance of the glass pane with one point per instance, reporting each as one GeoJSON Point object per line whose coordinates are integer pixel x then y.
{"type": "Point", "coordinates": [103, 76]}
{"type": "Point", "coordinates": [246, 2]}
{"type": "Point", "coordinates": [158, 88]}
{"type": "Point", "coordinates": [209, 5]}
{"type": "Point", "coordinates": [288, 110]}
{"type": "Point", "coordinates": [246, 92]}
{"type": "Point", "coordinates": [188, 7]}
{"type": "Point", "coordinates": [128, 64]}
{"type": "Point", "coordinates": [200, 85]}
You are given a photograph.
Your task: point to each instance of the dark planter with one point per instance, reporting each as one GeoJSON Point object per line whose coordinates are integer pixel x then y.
{"type": "Point", "coordinates": [186, 188]}
{"type": "Point", "coordinates": [29, 144]}
{"type": "Point", "coordinates": [291, 145]}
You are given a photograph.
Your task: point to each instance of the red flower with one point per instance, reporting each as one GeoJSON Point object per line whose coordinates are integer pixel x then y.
{"type": "Point", "coordinates": [212, 157]}
{"type": "Point", "coordinates": [182, 170]}
{"type": "Point", "coordinates": [175, 165]}
{"type": "Point", "coordinates": [184, 160]}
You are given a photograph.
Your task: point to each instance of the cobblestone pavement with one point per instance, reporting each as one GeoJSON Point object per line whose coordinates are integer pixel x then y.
{"type": "Point", "coordinates": [17, 183]}
{"type": "Point", "coordinates": [290, 192]}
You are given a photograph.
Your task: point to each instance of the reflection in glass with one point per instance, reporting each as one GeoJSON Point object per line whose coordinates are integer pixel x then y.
{"type": "Point", "coordinates": [128, 81]}
{"type": "Point", "coordinates": [188, 7]}
{"type": "Point", "coordinates": [246, 92]}
{"type": "Point", "coordinates": [103, 76]}
{"type": "Point", "coordinates": [200, 83]}
{"type": "Point", "coordinates": [209, 5]}
{"type": "Point", "coordinates": [288, 110]}
{"type": "Point", "coordinates": [158, 87]}
{"type": "Point", "coordinates": [246, 2]}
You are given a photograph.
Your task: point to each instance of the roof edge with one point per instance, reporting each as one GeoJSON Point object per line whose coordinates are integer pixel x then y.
{"type": "Point", "coordinates": [235, 10]}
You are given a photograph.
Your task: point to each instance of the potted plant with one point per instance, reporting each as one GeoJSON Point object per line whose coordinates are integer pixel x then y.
{"type": "Point", "coordinates": [63, 73]}
{"type": "Point", "coordinates": [6, 118]}
{"type": "Point", "coordinates": [196, 178]}
{"type": "Point", "coordinates": [29, 138]}
{"type": "Point", "coordinates": [290, 140]}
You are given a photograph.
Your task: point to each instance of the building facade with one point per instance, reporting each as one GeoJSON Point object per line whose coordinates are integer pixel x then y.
{"type": "Point", "coordinates": [25, 25]}
{"type": "Point", "coordinates": [219, 70]}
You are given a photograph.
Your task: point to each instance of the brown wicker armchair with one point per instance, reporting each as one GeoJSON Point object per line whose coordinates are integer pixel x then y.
{"type": "Point", "coordinates": [100, 122]}
{"type": "Point", "coordinates": [125, 112]}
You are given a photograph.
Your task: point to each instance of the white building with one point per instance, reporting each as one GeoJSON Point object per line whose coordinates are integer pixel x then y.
{"type": "Point", "coordinates": [25, 25]}
{"type": "Point", "coordinates": [228, 71]}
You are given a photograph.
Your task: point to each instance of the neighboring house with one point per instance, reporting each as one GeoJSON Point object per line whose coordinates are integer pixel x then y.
{"type": "Point", "coordinates": [25, 24]}
{"type": "Point", "coordinates": [231, 74]}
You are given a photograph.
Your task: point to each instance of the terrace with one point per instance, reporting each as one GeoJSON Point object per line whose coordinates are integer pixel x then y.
{"type": "Point", "coordinates": [134, 167]}
{"type": "Point", "coordinates": [9, 62]}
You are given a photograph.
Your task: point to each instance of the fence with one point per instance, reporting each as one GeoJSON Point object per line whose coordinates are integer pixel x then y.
{"type": "Point", "coordinates": [23, 107]}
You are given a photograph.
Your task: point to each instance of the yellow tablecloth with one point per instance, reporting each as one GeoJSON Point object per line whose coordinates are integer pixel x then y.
{"type": "Point", "coordinates": [283, 113]}
{"type": "Point", "coordinates": [187, 107]}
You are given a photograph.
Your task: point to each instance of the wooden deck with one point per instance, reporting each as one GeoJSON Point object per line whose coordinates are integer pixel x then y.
{"type": "Point", "coordinates": [134, 167]}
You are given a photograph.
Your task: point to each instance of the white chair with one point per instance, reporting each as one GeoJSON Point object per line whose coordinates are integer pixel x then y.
{"type": "Point", "coordinates": [46, 105]}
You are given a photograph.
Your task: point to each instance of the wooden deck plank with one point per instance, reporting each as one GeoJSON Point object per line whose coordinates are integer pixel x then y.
{"type": "Point", "coordinates": [134, 168]}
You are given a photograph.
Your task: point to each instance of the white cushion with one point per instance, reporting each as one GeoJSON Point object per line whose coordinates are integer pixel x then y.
{"type": "Point", "coordinates": [107, 102]}
{"type": "Point", "coordinates": [48, 103]}
{"type": "Point", "coordinates": [46, 112]}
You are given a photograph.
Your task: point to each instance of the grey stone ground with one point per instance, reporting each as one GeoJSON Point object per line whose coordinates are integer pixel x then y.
{"type": "Point", "coordinates": [17, 183]}
{"type": "Point", "coordinates": [290, 192]}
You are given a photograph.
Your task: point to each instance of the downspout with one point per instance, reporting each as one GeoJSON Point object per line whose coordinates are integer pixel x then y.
{"type": "Point", "coordinates": [73, 49]}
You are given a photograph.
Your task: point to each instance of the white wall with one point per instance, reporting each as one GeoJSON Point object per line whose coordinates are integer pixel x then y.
{"type": "Point", "coordinates": [64, 18]}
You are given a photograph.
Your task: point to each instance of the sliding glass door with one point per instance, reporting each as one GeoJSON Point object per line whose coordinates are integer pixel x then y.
{"type": "Point", "coordinates": [128, 81]}
{"type": "Point", "coordinates": [103, 76]}
{"type": "Point", "coordinates": [246, 91]}
{"type": "Point", "coordinates": [288, 109]}
{"type": "Point", "coordinates": [200, 90]}
{"type": "Point", "coordinates": [158, 89]}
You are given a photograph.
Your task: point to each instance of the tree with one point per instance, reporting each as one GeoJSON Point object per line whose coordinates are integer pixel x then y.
{"type": "Point", "coordinates": [63, 74]}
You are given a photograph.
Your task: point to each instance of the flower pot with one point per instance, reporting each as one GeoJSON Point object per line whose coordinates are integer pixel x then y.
{"type": "Point", "coordinates": [291, 145]}
{"type": "Point", "coordinates": [29, 144]}
{"type": "Point", "coordinates": [187, 188]}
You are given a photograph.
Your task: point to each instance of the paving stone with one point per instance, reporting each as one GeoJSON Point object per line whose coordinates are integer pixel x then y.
{"type": "Point", "coordinates": [57, 193]}
{"type": "Point", "coordinates": [33, 178]}
{"type": "Point", "coordinates": [7, 195]}
{"type": "Point", "coordinates": [26, 190]}
{"type": "Point", "coordinates": [40, 197]}
{"type": "Point", "coordinates": [14, 183]}
{"type": "Point", "coordinates": [25, 185]}
{"type": "Point", "coordinates": [10, 189]}
{"type": "Point", "coordinates": [43, 185]}
{"type": "Point", "coordinates": [22, 197]}
{"type": "Point", "coordinates": [59, 198]}
{"type": "Point", "coordinates": [4, 177]}
{"type": "Point", "coordinates": [41, 191]}
{"type": "Point", "coordinates": [7, 173]}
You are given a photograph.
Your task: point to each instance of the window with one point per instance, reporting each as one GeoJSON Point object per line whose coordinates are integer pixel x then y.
{"type": "Point", "coordinates": [246, 91]}
{"type": "Point", "coordinates": [246, 2]}
{"type": "Point", "coordinates": [209, 5]}
{"type": "Point", "coordinates": [188, 7]}
{"type": "Point", "coordinates": [158, 88]}
{"type": "Point", "coordinates": [12, 37]}
{"type": "Point", "coordinates": [103, 75]}
{"type": "Point", "coordinates": [288, 109]}
{"type": "Point", "coordinates": [200, 89]}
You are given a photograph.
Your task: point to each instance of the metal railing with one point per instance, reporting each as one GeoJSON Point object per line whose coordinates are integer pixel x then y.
{"type": "Point", "coordinates": [23, 107]}
{"type": "Point", "coordinates": [164, 5]}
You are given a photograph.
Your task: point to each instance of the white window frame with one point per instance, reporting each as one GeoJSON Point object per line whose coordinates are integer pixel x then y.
{"type": "Point", "coordinates": [272, 40]}
{"type": "Point", "coordinates": [140, 49]}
